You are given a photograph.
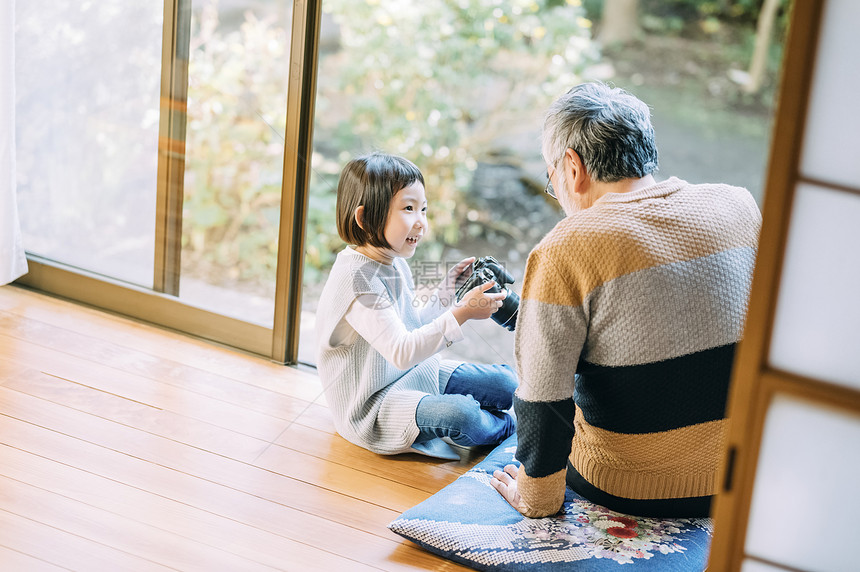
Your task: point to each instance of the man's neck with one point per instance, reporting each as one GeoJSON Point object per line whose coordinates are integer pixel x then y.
{"type": "Point", "coordinates": [596, 190]}
{"type": "Point", "coordinates": [623, 186]}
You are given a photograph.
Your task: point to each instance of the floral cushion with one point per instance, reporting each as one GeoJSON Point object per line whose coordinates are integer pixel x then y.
{"type": "Point", "coordinates": [470, 523]}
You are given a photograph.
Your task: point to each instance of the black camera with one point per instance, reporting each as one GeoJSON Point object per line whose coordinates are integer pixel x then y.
{"type": "Point", "coordinates": [487, 269]}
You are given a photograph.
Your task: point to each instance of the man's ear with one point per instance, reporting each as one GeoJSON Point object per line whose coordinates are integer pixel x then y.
{"type": "Point", "coordinates": [575, 171]}
{"type": "Point", "coordinates": [359, 216]}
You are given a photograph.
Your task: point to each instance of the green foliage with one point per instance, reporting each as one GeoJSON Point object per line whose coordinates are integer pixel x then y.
{"type": "Point", "coordinates": [441, 83]}
{"type": "Point", "coordinates": [692, 10]}
{"type": "Point", "coordinates": [237, 87]}
{"type": "Point", "coordinates": [696, 17]}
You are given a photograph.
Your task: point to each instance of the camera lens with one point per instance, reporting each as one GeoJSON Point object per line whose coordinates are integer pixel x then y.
{"type": "Point", "coordinates": [506, 316]}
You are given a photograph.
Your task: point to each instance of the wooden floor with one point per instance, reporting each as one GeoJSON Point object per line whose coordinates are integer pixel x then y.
{"type": "Point", "coordinates": [127, 447]}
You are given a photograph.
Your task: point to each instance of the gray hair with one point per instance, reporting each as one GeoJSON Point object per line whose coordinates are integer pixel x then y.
{"type": "Point", "coordinates": [609, 128]}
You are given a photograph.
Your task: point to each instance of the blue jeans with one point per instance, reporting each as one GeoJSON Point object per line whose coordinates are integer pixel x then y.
{"type": "Point", "coordinates": [471, 410]}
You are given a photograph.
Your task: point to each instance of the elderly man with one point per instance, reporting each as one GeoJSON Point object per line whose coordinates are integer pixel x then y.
{"type": "Point", "coordinates": [631, 309]}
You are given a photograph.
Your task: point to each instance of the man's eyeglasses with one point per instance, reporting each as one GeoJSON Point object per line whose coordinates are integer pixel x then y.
{"type": "Point", "coordinates": [548, 189]}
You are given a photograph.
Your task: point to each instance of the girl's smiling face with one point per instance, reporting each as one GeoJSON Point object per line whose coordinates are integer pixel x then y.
{"type": "Point", "coordinates": [407, 220]}
{"type": "Point", "coordinates": [406, 225]}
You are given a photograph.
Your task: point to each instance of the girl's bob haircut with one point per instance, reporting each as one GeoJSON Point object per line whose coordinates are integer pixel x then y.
{"type": "Point", "coordinates": [371, 181]}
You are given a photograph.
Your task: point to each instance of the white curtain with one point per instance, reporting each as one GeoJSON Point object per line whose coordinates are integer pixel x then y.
{"type": "Point", "coordinates": [12, 261]}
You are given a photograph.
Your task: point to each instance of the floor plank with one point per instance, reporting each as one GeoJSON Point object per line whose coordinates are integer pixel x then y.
{"type": "Point", "coordinates": [152, 390]}
{"type": "Point", "coordinates": [64, 548]}
{"type": "Point", "coordinates": [150, 454]}
{"type": "Point", "coordinates": [415, 470]}
{"type": "Point", "coordinates": [176, 517]}
{"type": "Point", "coordinates": [13, 560]}
{"type": "Point", "coordinates": [124, 446]}
{"type": "Point", "coordinates": [117, 531]}
{"type": "Point", "coordinates": [161, 343]}
{"type": "Point", "coordinates": [137, 414]}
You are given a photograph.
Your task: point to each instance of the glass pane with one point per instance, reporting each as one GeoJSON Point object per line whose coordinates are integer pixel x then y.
{"type": "Point", "coordinates": [832, 139]}
{"type": "Point", "coordinates": [817, 322]}
{"type": "Point", "coordinates": [87, 101]}
{"type": "Point", "coordinates": [460, 88]}
{"type": "Point", "coordinates": [237, 100]}
{"type": "Point", "coordinates": [805, 493]}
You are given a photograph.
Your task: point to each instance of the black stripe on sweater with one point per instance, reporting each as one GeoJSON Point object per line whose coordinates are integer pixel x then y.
{"type": "Point", "coordinates": [685, 507]}
{"type": "Point", "coordinates": [652, 397]}
{"type": "Point", "coordinates": [544, 435]}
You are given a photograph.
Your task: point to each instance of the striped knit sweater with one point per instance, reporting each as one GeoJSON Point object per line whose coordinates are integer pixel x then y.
{"type": "Point", "coordinates": [372, 402]}
{"type": "Point", "coordinates": [630, 313]}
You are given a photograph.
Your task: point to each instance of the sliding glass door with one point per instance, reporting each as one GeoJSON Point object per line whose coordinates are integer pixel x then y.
{"type": "Point", "coordinates": [234, 148]}
{"type": "Point", "coordinates": [87, 86]}
{"type": "Point", "coordinates": [158, 173]}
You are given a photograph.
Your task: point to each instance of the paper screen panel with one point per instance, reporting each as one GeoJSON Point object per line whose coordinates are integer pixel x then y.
{"type": "Point", "coordinates": [816, 330]}
{"type": "Point", "coordinates": [832, 141]}
{"type": "Point", "coordinates": [804, 505]}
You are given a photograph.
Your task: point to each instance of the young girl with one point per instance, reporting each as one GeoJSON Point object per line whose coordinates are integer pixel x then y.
{"type": "Point", "coordinates": [387, 388]}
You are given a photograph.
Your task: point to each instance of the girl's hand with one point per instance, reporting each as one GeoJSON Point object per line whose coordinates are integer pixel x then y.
{"type": "Point", "coordinates": [478, 304]}
{"type": "Point", "coordinates": [457, 274]}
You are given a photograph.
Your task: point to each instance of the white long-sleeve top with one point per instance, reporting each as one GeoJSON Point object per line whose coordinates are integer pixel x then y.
{"type": "Point", "coordinates": [376, 321]}
{"type": "Point", "coordinates": [378, 352]}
